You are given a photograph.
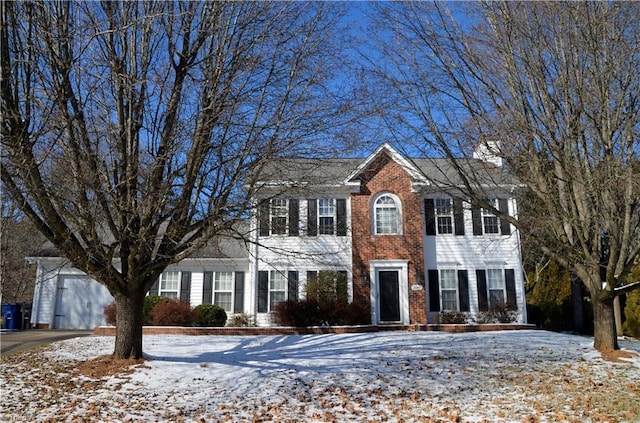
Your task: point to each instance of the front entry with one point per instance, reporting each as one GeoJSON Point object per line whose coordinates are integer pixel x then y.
{"type": "Point", "coordinates": [388, 281]}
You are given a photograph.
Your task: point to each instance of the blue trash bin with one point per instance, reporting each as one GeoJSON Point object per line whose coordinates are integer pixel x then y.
{"type": "Point", "coordinates": [11, 318]}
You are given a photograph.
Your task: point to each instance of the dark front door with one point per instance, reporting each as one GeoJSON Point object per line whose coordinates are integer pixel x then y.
{"type": "Point", "coordinates": [389, 296]}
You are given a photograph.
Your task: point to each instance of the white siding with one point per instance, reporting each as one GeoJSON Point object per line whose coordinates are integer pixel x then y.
{"type": "Point", "coordinates": [471, 252]}
{"type": "Point", "coordinates": [300, 253]}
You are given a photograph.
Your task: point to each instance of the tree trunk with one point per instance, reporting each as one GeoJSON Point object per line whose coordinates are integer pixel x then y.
{"type": "Point", "coordinates": [129, 320]}
{"type": "Point", "coordinates": [576, 300]}
{"type": "Point", "coordinates": [617, 310]}
{"type": "Point", "coordinates": [604, 325]}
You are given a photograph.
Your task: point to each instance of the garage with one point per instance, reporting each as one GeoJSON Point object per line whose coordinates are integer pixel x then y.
{"type": "Point", "coordinates": [80, 302]}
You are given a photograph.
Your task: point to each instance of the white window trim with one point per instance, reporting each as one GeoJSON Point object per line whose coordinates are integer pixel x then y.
{"type": "Point", "coordinates": [272, 215]}
{"type": "Point", "coordinates": [503, 281]}
{"type": "Point", "coordinates": [374, 220]}
{"type": "Point", "coordinates": [488, 213]}
{"type": "Point", "coordinates": [177, 290]}
{"type": "Point", "coordinates": [444, 215]}
{"type": "Point", "coordinates": [223, 291]}
{"type": "Point", "coordinates": [284, 275]}
{"type": "Point", "coordinates": [456, 289]}
{"type": "Point", "coordinates": [333, 216]}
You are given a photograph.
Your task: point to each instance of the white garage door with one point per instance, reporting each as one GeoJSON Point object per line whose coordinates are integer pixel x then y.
{"type": "Point", "coordinates": [80, 303]}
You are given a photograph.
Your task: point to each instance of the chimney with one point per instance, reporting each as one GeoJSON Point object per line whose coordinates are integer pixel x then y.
{"type": "Point", "coordinates": [488, 151]}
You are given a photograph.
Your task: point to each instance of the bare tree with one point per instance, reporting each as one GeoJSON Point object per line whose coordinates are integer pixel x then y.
{"type": "Point", "coordinates": [552, 89]}
{"type": "Point", "coordinates": [133, 132]}
{"type": "Point", "coordinates": [18, 239]}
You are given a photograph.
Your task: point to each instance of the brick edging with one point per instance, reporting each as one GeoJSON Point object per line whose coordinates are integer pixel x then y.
{"type": "Point", "coordinates": [278, 330]}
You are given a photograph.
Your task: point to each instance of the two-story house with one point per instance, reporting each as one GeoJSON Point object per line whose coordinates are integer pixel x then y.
{"type": "Point", "coordinates": [408, 246]}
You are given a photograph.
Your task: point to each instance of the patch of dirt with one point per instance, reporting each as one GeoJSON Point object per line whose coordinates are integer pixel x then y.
{"type": "Point", "coordinates": [108, 365]}
{"type": "Point", "coordinates": [618, 356]}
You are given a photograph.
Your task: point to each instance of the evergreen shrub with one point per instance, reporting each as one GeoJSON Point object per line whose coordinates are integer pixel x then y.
{"type": "Point", "coordinates": [209, 315]}
{"type": "Point", "coordinates": [631, 325]}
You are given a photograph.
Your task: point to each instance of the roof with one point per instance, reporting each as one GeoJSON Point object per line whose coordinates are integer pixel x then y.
{"type": "Point", "coordinates": [223, 246]}
{"type": "Point", "coordinates": [437, 172]}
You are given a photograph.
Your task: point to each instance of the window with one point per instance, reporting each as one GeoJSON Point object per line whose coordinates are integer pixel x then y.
{"type": "Point", "coordinates": [169, 284]}
{"type": "Point", "coordinates": [449, 290]}
{"type": "Point", "coordinates": [279, 212]}
{"type": "Point", "coordinates": [444, 215]}
{"type": "Point", "coordinates": [386, 215]}
{"type": "Point", "coordinates": [326, 216]}
{"type": "Point", "coordinates": [277, 288]}
{"type": "Point", "coordinates": [490, 223]}
{"type": "Point", "coordinates": [223, 290]}
{"type": "Point", "coordinates": [496, 287]}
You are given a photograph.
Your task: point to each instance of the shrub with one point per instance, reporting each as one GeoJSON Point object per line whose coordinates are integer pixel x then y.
{"type": "Point", "coordinates": [241, 320]}
{"type": "Point", "coordinates": [209, 315]}
{"type": "Point", "coordinates": [296, 313]}
{"type": "Point", "coordinates": [632, 314]}
{"type": "Point", "coordinates": [150, 302]}
{"type": "Point", "coordinates": [498, 313]}
{"type": "Point", "coordinates": [110, 313]}
{"type": "Point", "coordinates": [453, 317]}
{"type": "Point", "coordinates": [313, 313]}
{"type": "Point", "coordinates": [172, 312]}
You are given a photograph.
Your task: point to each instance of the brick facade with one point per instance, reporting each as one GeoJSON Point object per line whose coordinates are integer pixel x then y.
{"type": "Point", "coordinates": [384, 175]}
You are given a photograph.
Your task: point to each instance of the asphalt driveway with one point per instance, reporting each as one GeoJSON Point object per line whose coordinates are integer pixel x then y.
{"type": "Point", "coordinates": [15, 341]}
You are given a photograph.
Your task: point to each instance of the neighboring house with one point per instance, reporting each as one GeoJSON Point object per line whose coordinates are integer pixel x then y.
{"type": "Point", "coordinates": [406, 247]}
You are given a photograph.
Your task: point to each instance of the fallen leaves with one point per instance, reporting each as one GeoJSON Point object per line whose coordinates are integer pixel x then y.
{"type": "Point", "coordinates": [412, 384]}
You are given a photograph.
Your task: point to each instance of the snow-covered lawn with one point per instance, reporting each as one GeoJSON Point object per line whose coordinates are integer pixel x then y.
{"type": "Point", "coordinates": [520, 376]}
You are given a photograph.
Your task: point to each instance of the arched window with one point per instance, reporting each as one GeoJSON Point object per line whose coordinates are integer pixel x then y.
{"type": "Point", "coordinates": [386, 213]}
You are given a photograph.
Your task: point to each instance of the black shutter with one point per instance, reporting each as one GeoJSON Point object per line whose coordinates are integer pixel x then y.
{"type": "Point", "coordinates": [458, 216]}
{"type": "Point", "coordinates": [463, 289]}
{"type": "Point", "coordinates": [429, 216]}
{"type": "Point", "coordinates": [483, 301]}
{"type": "Point", "coordinates": [476, 219]}
{"type": "Point", "coordinates": [292, 285]}
{"type": "Point", "coordinates": [434, 290]}
{"type": "Point", "coordinates": [341, 215]}
{"type": "Point", "coordinates": [510, 282]}
{"type": "Point", "coordinates": [238, 293]}
{"type": "Point", "coordinates": [312, 217]}
{"type": "Point", "coordinates": [263, 218]}
{"type": "Point", "coordinates": [294, 217]}
{"type": "Point", "coordinates": [207, 288]}
{"type": "Point", "coordinates": [154, 288]}
{"type": "Point", "coordinates": [503, 206]}
{"type": "Point", "coordinates": [263, 291]}
{"type": "Point", "coordinates": [185, 287]}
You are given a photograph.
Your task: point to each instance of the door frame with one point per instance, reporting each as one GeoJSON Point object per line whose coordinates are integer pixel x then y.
{"type": "Point", "coordinates": [401, 266]}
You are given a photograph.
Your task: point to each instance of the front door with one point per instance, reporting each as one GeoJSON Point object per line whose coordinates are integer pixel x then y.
{"type": "Point", "coordinates": [388, 281]}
